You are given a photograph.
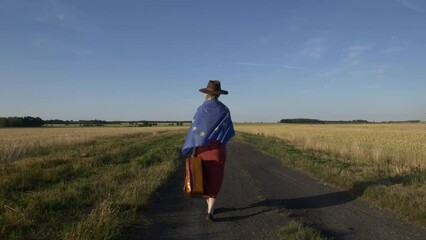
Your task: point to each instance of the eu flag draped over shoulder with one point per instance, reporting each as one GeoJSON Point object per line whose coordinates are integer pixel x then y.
{"type": "Point", "coordinates": [212, 121]}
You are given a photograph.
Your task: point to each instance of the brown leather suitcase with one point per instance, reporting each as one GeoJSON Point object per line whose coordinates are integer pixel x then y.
{"type": "Point", "coordinates": [193, 183]}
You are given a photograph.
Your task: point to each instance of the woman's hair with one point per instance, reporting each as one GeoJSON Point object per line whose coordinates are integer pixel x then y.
{"type": "Point", "coordinates": [212, 96]}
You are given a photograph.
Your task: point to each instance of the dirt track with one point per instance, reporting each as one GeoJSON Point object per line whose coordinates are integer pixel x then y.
{"type": "Point", "coordinates": [259, 196]}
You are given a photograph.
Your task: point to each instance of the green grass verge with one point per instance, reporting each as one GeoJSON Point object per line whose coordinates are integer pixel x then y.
{"type": "Point", "coordinates": [297, 231]}
{"type": "Point", "coordinates": [90, 190]}
{"type": "Point", "coordinates": [404, 193]}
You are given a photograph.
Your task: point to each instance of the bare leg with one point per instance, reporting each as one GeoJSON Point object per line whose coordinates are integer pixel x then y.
{"type": "Point", "coordinates": [210, 203]}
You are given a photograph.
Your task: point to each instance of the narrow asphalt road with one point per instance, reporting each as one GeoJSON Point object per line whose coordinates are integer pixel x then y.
{"type": "Point", "coordinates": [259, 196]}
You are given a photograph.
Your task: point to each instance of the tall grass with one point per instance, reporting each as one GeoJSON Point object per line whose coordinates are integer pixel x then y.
{"type": "Point", "coordinates": [298, 231]}
{"type": "Point", "coordinates": [404, 192]}
{"type": "Point", "coordinates": [394, 147]}
{"type": "Point", "coordinates": [16, 142]}
{"type": "Point", "coordinates": [89, 189]}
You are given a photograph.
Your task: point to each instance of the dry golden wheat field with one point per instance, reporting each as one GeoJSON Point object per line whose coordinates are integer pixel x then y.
{"type": "Point", "coordinates": [15, 142]}
{"type": "Point", "coordinates": [57, 175]}
{"type": "Point", "coordinates": [401, 145]}
{"type": "Point", "coordinates": [385, 163]}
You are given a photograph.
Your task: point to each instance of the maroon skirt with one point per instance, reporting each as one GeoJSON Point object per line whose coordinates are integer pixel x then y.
{"type": "Point", "coordinates": [213, 160]}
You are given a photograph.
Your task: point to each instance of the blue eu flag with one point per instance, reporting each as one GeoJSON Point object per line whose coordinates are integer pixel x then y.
{"type": "Point", "coordinates": [212, 121]}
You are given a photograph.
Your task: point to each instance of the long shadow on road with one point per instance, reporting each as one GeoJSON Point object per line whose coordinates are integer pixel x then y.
{"type": "Point", "coordinates": [318, 201]}
{"type": "Point", "coordinates": [256, 186]}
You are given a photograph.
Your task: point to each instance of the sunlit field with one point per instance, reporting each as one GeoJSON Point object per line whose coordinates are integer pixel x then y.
{"type": "Point", "coordinates": [396, 146]}
{"type": "Point", "coordinates": [385, 163]}
{"type": "Point", "coordinates": [15, 142]}
{"type": "Point", "coordinates": [82, 183]}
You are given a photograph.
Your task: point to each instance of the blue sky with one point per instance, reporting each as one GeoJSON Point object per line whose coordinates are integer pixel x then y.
{"type": "Point", "coordinates": [133, 60]}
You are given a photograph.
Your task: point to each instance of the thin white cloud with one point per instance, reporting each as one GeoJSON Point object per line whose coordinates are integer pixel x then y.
{"type": "Point", "coordinates": [264, 39]}
{"type": "Point", "coordinates": [40, 19]}
{"type": "Point", "coordinates": [373, 70]}
{"type": "Point", "coordinates": [60, 16]}
{"type": "Point", "coordinates": [313, 48]}
{"type": "Point", "coordinates": [411, 5]}
{"type": "Point", "coordinates": [268, 65]}
{"type": "Point", "coordinates": [50, 44]}
{"type": "Point", "coordinates": [55, 12]}
{"type": "Point", "coordinates": [370, 86]}
{"type": "Point", "coordinates": [83, 52]}
{"type": "Point", "coordinates": [391, 50]}
{"type": "Point", "coordinates": [39, 42]}
{"type": "Point", "coordinates": [329, 72]}
{"type": "Point", "coordinates": [353, 53]}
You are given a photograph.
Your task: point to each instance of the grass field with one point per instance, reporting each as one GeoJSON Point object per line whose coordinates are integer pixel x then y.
{"type": "Point", "coordinates": [396, 147]}
{"type": "Point", "coordinates": [84, 183]}
{"type": "Point", "coordinates": [91, 183]}
{"type": "Point", "coordinates": [16, 142]}
{"type": "Point", "coordinates": [382, 162]}
{"type": "Point", "coordinates": [298, 231]}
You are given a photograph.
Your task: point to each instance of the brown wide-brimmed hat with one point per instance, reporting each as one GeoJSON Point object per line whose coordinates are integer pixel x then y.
{"type": "Point", "coordinates": [213, 87]}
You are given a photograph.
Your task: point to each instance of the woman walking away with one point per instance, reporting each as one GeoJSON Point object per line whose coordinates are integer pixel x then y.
{"type": "Point", "coordinates": [210, 131]}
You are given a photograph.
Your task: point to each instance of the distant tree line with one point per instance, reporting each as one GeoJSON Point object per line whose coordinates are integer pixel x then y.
{"type": "Point", "coordinates": [81, 123]}
{"type": "Point", "coordinates": [137, 123]}
{"type": "Point", "coordinates": [21, 122]}
{"type": "Point", "coordinates": [91, 123]}
{"type": "Point", "coordinates": [38, 122]}
{"type": "Point", "coordinates": [59, 121]}
{"type": "Point", "coordinates": [314, 121]}
{"type": "Point", "coordinates": [144, 123]}
{"type": "Point", "coordinates": [301, 120]}
{"type": "Point", "coordinates": [408, 121]}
